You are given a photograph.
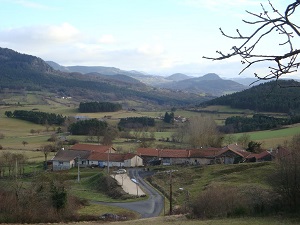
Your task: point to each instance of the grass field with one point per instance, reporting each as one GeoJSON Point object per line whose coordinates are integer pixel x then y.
{"type": "Point", "coordinates": [196, 179]}
{"type": "Point", "coordinates": [16, 131]}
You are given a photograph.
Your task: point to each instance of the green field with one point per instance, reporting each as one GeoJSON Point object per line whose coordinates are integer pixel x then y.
{"type": "Point", "coordinates": [16, 131]}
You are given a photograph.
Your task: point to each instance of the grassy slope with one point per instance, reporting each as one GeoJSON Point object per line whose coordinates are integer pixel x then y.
{"type": "Point", "coordinates": [196, 179]}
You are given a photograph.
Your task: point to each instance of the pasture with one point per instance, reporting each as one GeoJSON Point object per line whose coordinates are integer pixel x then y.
{"type": "Point", "coordinates": [15, 132]}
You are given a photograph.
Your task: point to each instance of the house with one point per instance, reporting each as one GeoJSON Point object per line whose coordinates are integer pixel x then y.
{"type": "Point", "coordinates": [148, 154]}
{"type": "Point", "coordinates": [93, 148]}
{"type": "Point", "coordinates": [204, 156]}
{"type": "Point", "coordinates": [260, 157]}
{"type": "Point", "coordinates": [93, 155]}
{"type": "Point", "coordinates": [229, 156]}
{"type": "Point", "coordinates": [132, 160]}
{"type": "Point", "coordinates": [66, 159]}
{"type": "Point", "coordinates": [114, 159]}
{"type": "Point", "coordinates": [173, 156]}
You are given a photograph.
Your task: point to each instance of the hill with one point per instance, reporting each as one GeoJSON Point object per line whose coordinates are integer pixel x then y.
{"type": "Point", "coordinates": [178, 77]}
{"type": "Point", "coordinates": [209, 84]}
{"type": "Point", "coordinates": [29, 73]}
{"type": "Point", "coordinates": [274, 96]}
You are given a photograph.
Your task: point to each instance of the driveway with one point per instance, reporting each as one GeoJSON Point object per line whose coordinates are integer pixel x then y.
{"type": "Point", "coordinates": [152, 207]}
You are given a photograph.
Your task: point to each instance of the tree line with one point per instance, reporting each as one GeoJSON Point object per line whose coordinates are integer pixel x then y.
{"type": "Point", "coordinates": [90, 107]}
{"type": "Point", "coordinates": [85, 127]}
{"type": "Point", "coordinates": [37, 117]}
{"type": "Point", "coordinates": [136, 122]}
{"type": "Point", "coordinates": [237, 124]}
{"type": "Point", "coordinates": [267, 97]}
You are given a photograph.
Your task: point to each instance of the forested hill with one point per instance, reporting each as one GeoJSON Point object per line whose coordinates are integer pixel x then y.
{"type": "Point", "coordinates": [29, 73]}
{"type": "Point", "coordinates": [275, 96]}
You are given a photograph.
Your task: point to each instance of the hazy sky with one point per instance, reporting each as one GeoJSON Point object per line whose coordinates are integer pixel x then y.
{"type": "Point", "coordinates": [153, 36]}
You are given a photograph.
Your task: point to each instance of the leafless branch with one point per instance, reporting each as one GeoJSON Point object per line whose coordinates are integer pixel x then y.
{"type": "Point", "coordinates": [268, 23]}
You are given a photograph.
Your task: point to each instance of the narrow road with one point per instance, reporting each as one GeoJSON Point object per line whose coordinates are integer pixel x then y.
{"type": "Point", "coordinates": [151, 207]}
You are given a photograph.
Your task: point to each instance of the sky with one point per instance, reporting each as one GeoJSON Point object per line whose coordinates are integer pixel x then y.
{"type": "Point", "coordinates": [159, 37]}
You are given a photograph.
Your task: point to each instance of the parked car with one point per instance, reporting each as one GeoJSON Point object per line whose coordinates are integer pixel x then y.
{"type": "Point", "coordinates": [119, 171]}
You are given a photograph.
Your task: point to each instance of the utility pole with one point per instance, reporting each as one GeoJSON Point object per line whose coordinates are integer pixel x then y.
{"type": "Point", "coordinates": [171, 193]}
{"type": "Point", "coordinates": [78, 170]}
{"type": "Point", "coordinates": [108, 161]}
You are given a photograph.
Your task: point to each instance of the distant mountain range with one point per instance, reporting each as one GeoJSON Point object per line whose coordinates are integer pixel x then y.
{"type": "Point", "coordinates": [25, 73]}
{"type": "Point", "coordinates": [209, 84]}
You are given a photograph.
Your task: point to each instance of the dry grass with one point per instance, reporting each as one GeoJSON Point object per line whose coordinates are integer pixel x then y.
{"type": "Point", "coordinates": [181, 220]}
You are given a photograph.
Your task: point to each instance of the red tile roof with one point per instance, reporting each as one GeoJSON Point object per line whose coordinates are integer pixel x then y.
{"type": "Point", "coordinates": [66, 155]}
{"type": "Point", "coordinates": [193, 153]}
{"type": "Point", "coordinates": [147, 152]}
{"type": "Point", "coordinates": [204, 152]}
{"type": "Point", "coordinates": [89, 147]}
{"type": "Point", "coordinates": [259, 155]}
{"type": "Point", "coordinates": [115, 157]}
{"type": "Point", "coordinates": [173, 153]}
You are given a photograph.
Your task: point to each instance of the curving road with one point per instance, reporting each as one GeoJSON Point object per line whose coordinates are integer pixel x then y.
{"type": "Point", "coordinates": [151, 207]}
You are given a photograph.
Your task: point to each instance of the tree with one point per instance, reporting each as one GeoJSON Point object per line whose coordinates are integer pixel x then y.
{"type": "Point", "coordinates": [169, 117]}
{"type": "Point", "coordinates": [201, 131]}
{"type": "Point", "coordinates": [243, 140]}
{"type": "Point", "coordinates": [229, 139]}
{"type": "Point", "coordinates": [267, 25]}
{"type": "Point", "coordinates": [110, 134]}
{"type": "Point", "coordinates": [254, 146]}
{"type": "Point", "coordinates": [286, 179]}
{"type": "Point", "coordinates": [46, 150]}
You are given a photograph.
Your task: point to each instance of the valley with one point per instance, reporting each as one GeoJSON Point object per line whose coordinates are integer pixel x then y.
{"type": "Point", "coordinates": [183, 116]}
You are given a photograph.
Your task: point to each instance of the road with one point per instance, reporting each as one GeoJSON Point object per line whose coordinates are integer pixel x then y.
{"type": "Point", "coordinates": [152, 207]}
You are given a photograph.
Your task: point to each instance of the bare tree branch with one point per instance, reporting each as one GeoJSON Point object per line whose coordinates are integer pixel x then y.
{"type": "Point", "coordinates": [268, 23]}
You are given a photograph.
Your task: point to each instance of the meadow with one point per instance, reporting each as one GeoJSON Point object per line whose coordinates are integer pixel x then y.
{"type": "Point", "coordinates": [15, 132]}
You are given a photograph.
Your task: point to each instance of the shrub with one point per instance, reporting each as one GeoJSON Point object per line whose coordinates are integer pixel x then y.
{"type": "Point", "coordinates": [224, 201]}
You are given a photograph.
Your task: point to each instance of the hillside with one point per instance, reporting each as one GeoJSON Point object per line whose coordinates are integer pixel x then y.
{"type": "Point", "coordinates": [274, 96]}
{"type": "Point", "coordinates": [178, 77]}
{"type": "Point", "coordinates": [209, 84]}
{"type": "Point", "coordinates": [30, 73]}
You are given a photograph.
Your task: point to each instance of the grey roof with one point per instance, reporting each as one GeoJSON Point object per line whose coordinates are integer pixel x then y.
{"type": "Point", "coordinates": [66, 155]}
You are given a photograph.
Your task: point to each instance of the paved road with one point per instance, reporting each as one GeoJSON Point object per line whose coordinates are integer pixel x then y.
{"type": "Point", "coordinates": [151, 207]}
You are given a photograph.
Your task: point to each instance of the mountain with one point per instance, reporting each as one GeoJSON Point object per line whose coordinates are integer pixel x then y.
{"type": "Point", "coordinates": [29, 73]}
{"type": "Point", "coordinates": [119, 78]}
{"type": "Point", "coordinates": [56, 66]}
{"type": "Point", "coordinates": [93, 69]}
{"type": "Point", "coordinates": [274, 96]}
{"type": "Point", "coordinates": [209, 84]}
{"type": "Point", "coordinates": [178, 77]}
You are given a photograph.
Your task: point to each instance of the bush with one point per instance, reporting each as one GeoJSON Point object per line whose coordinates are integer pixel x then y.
{"type": "Point", "coordinates": [222, 201]}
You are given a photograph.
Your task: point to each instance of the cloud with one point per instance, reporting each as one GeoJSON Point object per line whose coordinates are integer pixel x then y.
{"type": "Point", "coordinates": [36, 35]}
{"type": "Point", "coordinates": [62, 33]}
{"type": "Point", "coordinates": [107, 39]}
{"type": "Point", "coordinates": [151, 49]}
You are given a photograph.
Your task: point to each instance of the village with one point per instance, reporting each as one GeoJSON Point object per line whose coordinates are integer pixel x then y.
{"type": "Point", "coordinates": [89, 155]}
